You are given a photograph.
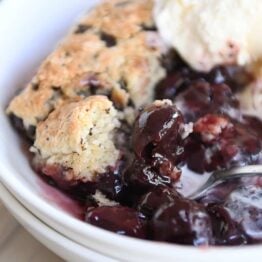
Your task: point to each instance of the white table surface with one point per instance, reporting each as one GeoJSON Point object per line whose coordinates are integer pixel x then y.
{"type": "Point", "coordinates": [17, 245]}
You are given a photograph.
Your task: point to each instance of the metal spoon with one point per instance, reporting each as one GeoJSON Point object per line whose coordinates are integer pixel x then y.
{"type": "Point", "coordinates": [219, 176]}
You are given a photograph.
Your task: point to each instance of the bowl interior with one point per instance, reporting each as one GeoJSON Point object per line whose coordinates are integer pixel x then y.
{"type": "Point", "coordinates": [27, 40]}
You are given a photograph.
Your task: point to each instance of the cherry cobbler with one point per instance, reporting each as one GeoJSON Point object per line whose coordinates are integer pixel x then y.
{"type": "Point", "coordinates": [120, 123]}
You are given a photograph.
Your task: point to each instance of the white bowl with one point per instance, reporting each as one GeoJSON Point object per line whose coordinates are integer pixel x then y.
{"type": "Point", "coordinates": [23, 45]}
{"type": "Point", "coordinates": [60, 245]}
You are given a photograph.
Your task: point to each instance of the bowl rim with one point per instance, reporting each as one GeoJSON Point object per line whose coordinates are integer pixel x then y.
{"type": "Point", "coordinates": [37, 227]}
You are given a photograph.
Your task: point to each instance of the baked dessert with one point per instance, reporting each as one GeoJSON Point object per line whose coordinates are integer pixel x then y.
{"type": "Point", "coordinates": [115, 118]}
{"type": "Point", "coordinates": [98, 57]}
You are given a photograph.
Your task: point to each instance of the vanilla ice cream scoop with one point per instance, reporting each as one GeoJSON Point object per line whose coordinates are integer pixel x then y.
{"type": "Point", "coordinates": [207, 33]}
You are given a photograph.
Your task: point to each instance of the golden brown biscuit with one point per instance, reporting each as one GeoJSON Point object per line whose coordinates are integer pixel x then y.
{"type": "Point", "coordinates": [114, 51]}
{"type": "Point", "coordinates": [79, 137]}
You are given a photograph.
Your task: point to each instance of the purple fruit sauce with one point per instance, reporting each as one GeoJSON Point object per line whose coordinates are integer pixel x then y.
{"type": "Point", "coordinates": [152, 180]}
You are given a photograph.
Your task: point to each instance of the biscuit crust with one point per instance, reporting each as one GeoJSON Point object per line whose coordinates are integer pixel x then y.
{"type": "Point", "coordinates": [78, 136]}
{"type": "Point", "coordinates": [114, 50]}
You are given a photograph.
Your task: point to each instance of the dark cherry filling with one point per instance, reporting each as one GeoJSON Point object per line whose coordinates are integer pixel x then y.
{"type": "Point", "coordinates": [110, 182]}
{"type": "Point", "coordinates": [158, 147]}
{"type": "Point", "coordinates": [144, 182]}
{"type": "Point", "coordinates": [234, 76]}
{"type": "Point", "coordinates": [182, 221]}
{"type": "Point", "coordinates": [158, 134]}
{"type": "Point", "coordinates": [141, 177]}
{"type": "Point", "coordinates": [181, 76]}
{"type": "Point", "coordinates": [201, 98]}
{"type": "Point", "coordinates": [118, 219]}
{"type": "Point", "coordinates": [149, 203]}
{"type": "Point", "coordinates": [226, 231]}
{"type": "Point", "coordinates": [221, 138]}
{"type": "Point", "coordinates": [55, 175]}
{"type": "Point", "coordinates": [173, 84]}
{"type": "Point", "coordinates": [220, 142]}
{"type": "Point", "coordinates": [17, 123]}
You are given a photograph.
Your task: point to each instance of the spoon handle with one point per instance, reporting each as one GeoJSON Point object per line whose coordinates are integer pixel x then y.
{"type": "Point", "coordinates": [219, 176]}
{"type": "Point", "coordinates": [234, 172]}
